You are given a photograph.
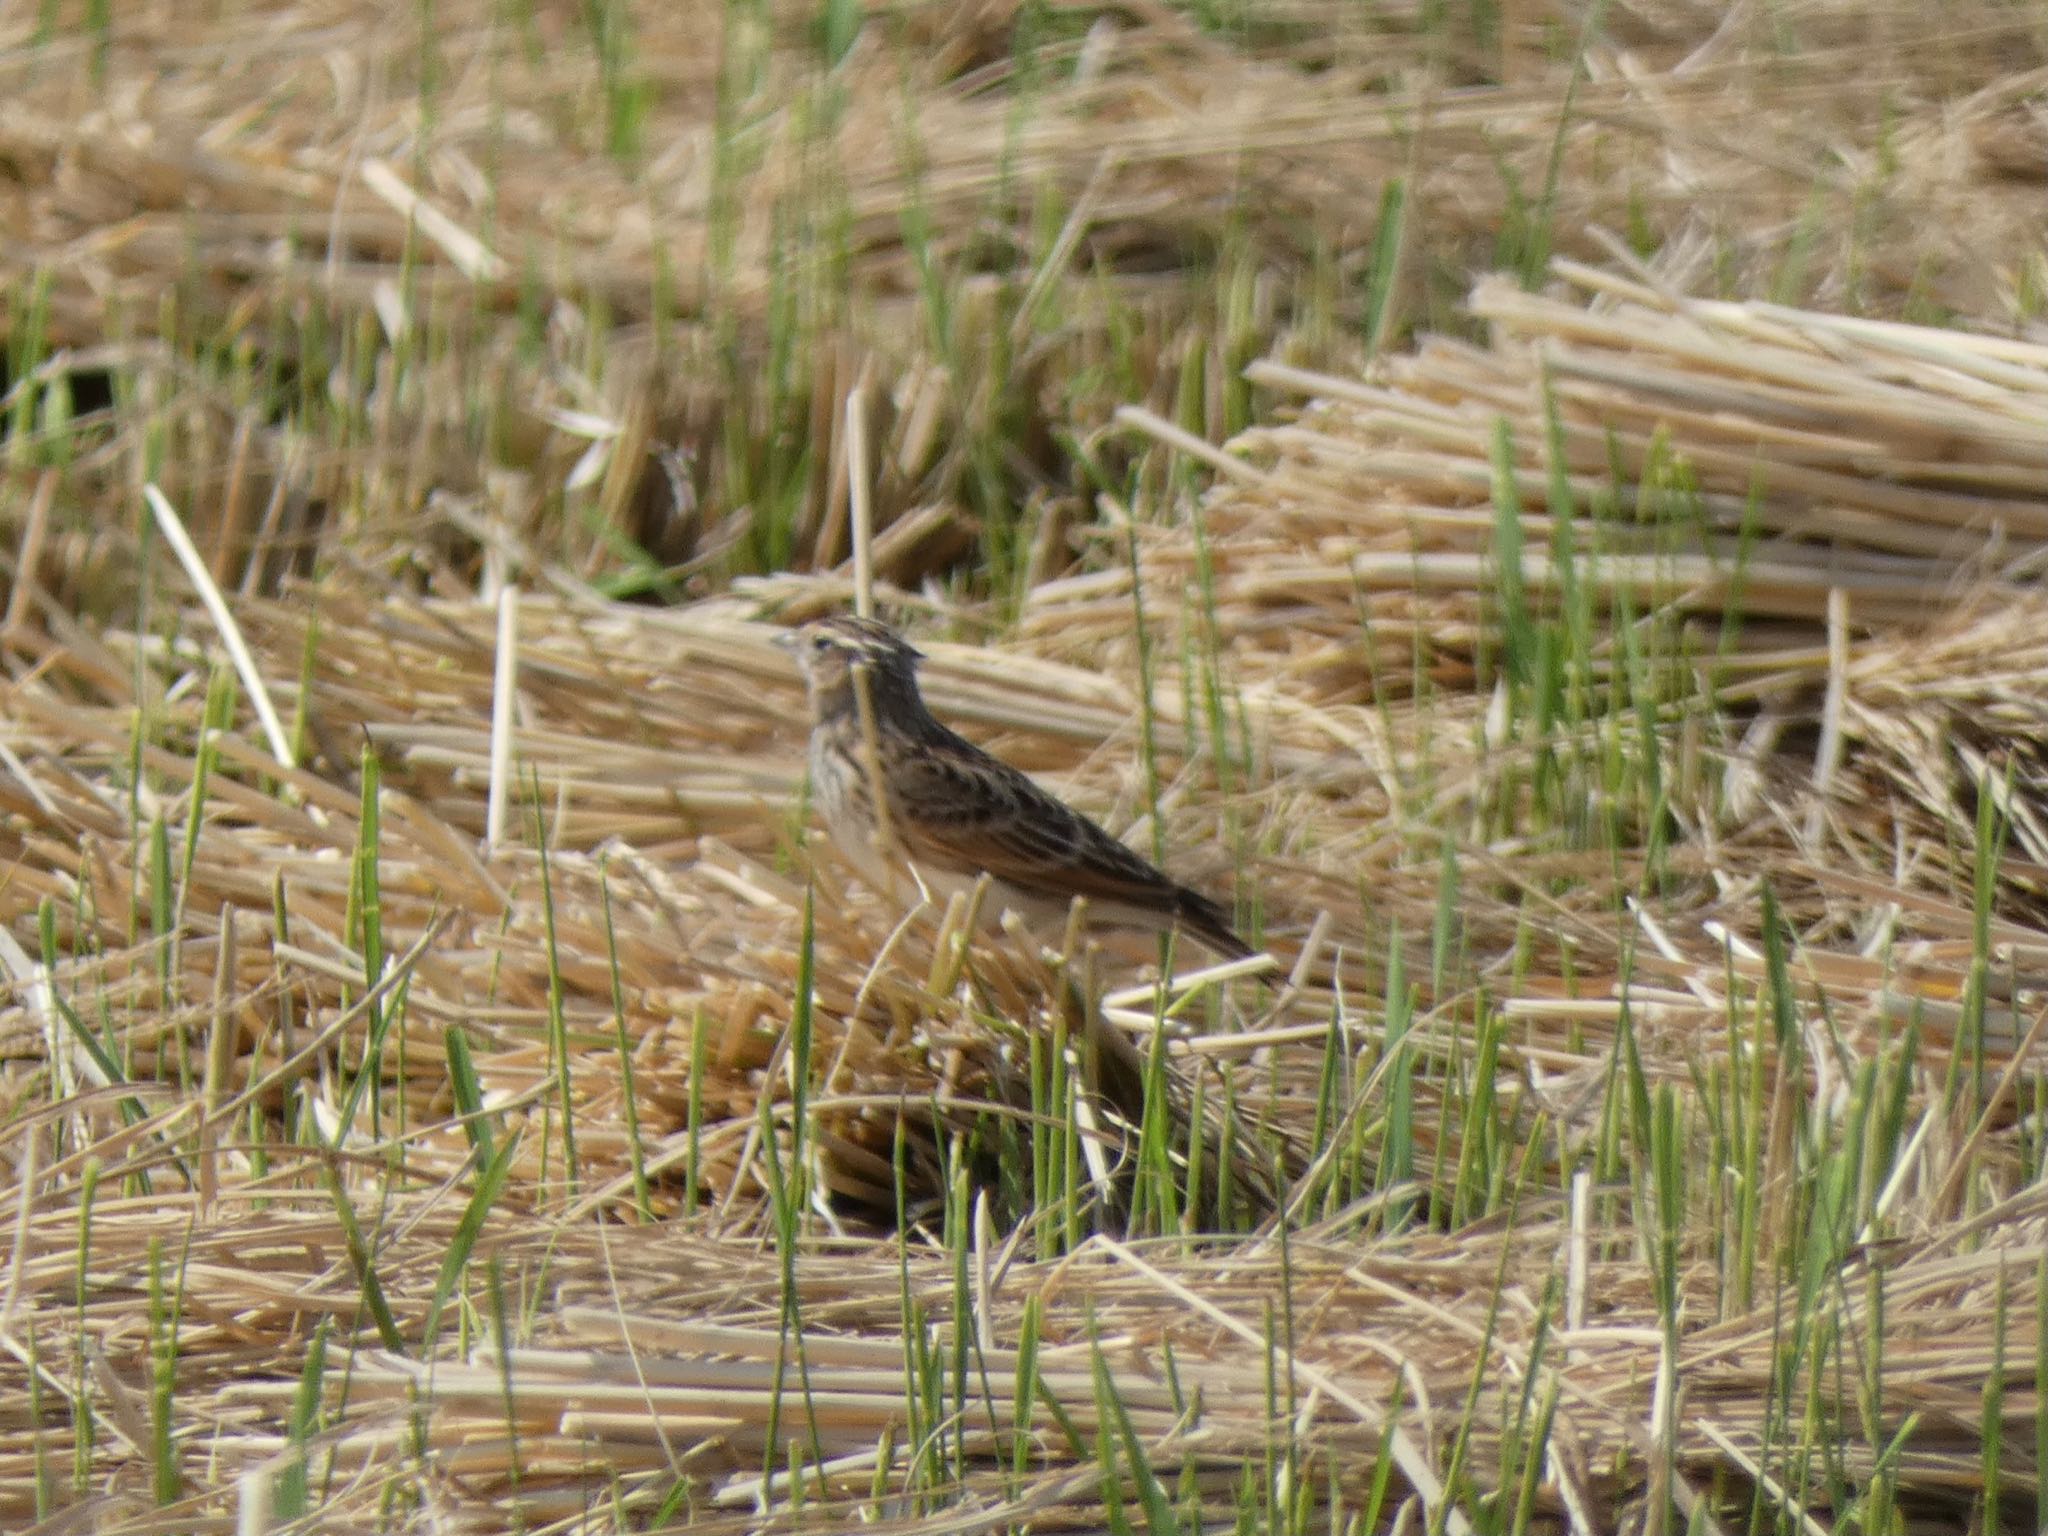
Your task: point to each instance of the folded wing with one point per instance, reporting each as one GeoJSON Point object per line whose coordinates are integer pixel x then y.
{"type": "Point", "coordinates": [966, 809]}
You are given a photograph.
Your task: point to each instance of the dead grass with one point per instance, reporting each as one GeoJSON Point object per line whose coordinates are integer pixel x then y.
{"type": "Point", "coordinates": [1620, 713]}
{"type": "Point", "coordinates": [1131, 211]}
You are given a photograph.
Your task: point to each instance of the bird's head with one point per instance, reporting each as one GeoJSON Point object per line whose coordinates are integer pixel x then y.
{"type": "Point", "coordinates": [830, 651]}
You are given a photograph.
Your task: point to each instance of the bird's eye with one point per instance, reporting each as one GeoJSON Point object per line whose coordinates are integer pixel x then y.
{"type": "Point", "coordinates": [821, 643]}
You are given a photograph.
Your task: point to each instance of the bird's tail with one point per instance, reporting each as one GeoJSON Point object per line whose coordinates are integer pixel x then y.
{"type": "Point", "coordinates": [1204, 920]}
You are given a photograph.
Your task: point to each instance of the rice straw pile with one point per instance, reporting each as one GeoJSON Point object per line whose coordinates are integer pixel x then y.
{"type": "Point", "coordinates": [1621, 715]}
{"type": "Point", "coordinates": [1710, 455]}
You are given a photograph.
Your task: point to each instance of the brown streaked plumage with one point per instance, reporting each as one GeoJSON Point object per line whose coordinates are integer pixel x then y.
{"type": "Point", "coordinates": [953, 812]}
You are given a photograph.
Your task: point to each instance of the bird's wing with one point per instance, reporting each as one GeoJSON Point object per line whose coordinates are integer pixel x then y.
{"type": "Point", "coordinates": [971, 811]}
{"type": "Point", "coordinates": [960, 808]}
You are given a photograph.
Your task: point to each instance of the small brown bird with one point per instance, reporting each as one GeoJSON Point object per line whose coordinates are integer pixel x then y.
{"type": "Point", "coordinates": [951, 812]}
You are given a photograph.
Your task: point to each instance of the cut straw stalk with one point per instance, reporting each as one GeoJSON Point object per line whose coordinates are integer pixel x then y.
{"type": "Point", "coordinates": [471, 256]}
{"type": "Point", "coordinates": [173, 530]}
{"type": "Point", "coordinates": [860, 493]}
{"type": "Point", "coordinates": [504, 703]}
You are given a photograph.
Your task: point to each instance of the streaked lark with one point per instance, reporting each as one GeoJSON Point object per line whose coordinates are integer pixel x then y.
{"type": "Point", "coordinates": [901, 793]}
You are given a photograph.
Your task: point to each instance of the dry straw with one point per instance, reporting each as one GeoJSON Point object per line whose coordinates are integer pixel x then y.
{"type": "Point", "coordinates": [586, 825]}
{"type": "Point", "coordinates": [665, 747]}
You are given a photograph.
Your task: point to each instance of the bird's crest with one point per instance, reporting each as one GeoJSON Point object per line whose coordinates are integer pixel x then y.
{"type": "Point", "coordinates": [833, 650]}
{"type": "Point", "coordinates": [860, 640]}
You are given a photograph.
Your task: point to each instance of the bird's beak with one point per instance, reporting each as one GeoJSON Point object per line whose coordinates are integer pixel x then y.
{"type": "Point", "coordinates": [784, 640]}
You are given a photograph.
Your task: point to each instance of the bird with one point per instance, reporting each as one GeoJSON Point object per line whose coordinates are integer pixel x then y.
{"type": "Point", "coordinates": [902, 793]}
